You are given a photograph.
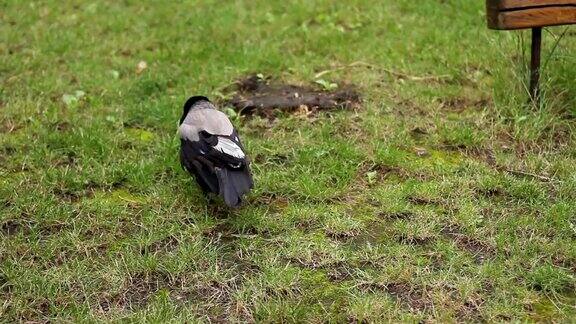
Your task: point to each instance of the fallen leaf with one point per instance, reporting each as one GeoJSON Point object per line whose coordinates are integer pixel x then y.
{"type": "Point", "coordinates": [327, 85]}
{"type": "Point", "coordinates": [421, 152]}
{"type": "Point", "coordinates": [303, 111]}
{"type": "Point", "coordinates": [79, 94]}
{"type": "Point", "coordinates": [231, 113]}
{"type": "Point", "coordinates": [371, 177]}
{"type": "Point", "coordinates": [69, 99]}
{"type": "Point", "coordinates": [115, 74]}
{"type": "Point", "coordinates": [142, 65]}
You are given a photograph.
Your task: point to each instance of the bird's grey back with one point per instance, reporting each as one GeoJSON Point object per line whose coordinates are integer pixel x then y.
{"type": "Point", "coordinates": [204, 117]}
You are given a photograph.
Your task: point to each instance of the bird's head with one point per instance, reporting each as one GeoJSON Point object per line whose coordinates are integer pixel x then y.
{"type": "Point", "coordinates": [190, 103]}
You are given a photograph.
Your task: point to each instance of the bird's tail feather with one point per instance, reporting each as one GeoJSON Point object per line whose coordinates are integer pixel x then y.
{"type": "Point", "coordinates": [233, 185]}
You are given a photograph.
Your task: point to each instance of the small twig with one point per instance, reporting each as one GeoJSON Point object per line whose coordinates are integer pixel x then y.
{"type": "Point", "coordinates": [531, 175]}
{"type": "Point", "coordinates": [245, 236]}
{"type": "Point", "coordinates": [397, 74]}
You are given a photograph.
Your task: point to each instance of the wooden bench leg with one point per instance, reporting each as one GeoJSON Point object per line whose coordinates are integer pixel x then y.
{"type": "Point", "coordinates": [535, 65]}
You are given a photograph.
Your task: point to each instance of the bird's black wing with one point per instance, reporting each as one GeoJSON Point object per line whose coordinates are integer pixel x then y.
{"type": "Point", "coordinates": [191, 159]}
{"type": "Point", "coordinates": [231, 166]}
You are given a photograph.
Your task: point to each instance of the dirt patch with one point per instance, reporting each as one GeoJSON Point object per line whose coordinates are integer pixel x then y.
{"type": "Point", "coordinates": [86, 191]}
{"type": "Point", "coordinates": [53, 228]}
{"type": "Point", "coordinates": [67, 159]}
{"type": "Point", "coordinates": [213, 298]}
{"type": "Point", "coordinates": [271, 199]}
{"type": "Point", "coordinates": [483, 154]}
{"type": "Point", "coordinates": [436, 260]}
{"type": "Point", "coordinates": [165, 245]}
{"type": "Point", "coordinates": [255, 95]}
{"type": "Point", "coordinates": [5, 203]}
{"type": "Point", "coordinates": [414, 240]}
{"type": "Point", "coordinates": [5, 153]}
{"type": "Point", "coordinates": [61, 256]}
{"type": "Point", "coordinates": [5, 285]}
{"type": "Point", "coordinates": [225, 232]}
{"type": "Point", "coordinates": [469, 311]}
{"type": "Point", "coordinates": [409, 296]}
{"type": "Point", "coordinates": [97, 250]}
{"type": "Point", "coordinates": [10, 227]}
{"type": "Point", "coordinates": [318, 260]}
{"type": "Point", "coordinates": [419, 133]}
{"type": "Point", "coordinates": [565, 262]}
{"type": "Point", "coordinates": [459, 104]}
{"type": "Point", "coordinates": [336, 271]}
{"type": "Point", "coordinates": [37, 311]}
{"type": "Point", "coordinates": [69, 195]}
{"type": "Point", "coordinates": [384, 170]}
{"type": "Point", "coordinates": [353, 320]}
{"type": "Point", "coordinates": [14, 226]}
{"type": "Point", "coordinates": [401, 215]}
{"type": "Point", "coordinates": [341, 235]}
{"type": "Point", "coordinates": [480, 250]}
{"type": "Point", "coordinates": [490, 192]}
{"type": "Point", "coordinates": [373, 233]}
{"type": "Point", "coordinates": [370, 173]}
{"type": "Point", "coordinates": [218, 210]}
{"type": "Point", "coordinates": [9, 126]}
{"type": "Point", "coordinates": [7, 150]}
{"type": "Point", "coordinates": [61, 126]}
{"type": "Point", "coordinates": [218, 231]}
{"type": "Point", "coordinates": [423, 201]}
{"type": "Point", "coordinates": [138, 290]}
{"type": "Point", "coordinates": [212, 292]}
{"type": "Point", "coordinates": [408, 108]}
{"type": "Point", "coordinates": [339, 272]}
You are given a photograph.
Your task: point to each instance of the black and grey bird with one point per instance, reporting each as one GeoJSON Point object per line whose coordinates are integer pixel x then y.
{"type": "Point", "coordinates": [211, 150]}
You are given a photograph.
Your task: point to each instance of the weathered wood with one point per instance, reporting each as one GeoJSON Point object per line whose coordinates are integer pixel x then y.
{"type": "Point", "coordinates": [516, 4]}
{"type": "Point", "coordinates": [517, 14]}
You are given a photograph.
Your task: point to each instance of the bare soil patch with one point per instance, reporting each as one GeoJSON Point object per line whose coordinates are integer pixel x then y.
{"type": "Point", "coordinates": [340, 272]}
{"type": "Point", "coordinates": [480, 250]}
{"type": "Point", "coordinates": [409, 296]}
{"type": "Point", "coordinates": [164, 245]}
{"type": "Point", "coordinates": [371, 173]}
{"type": "Point", "coordinates": [5, 285]}
{"type": "Point", "coordinates": [414, 240]}
{"type": "Point", "coordinates": [420, 200]}
{"type": "Point", "coordinates": [10, 227]}
{"type": "Point", "coordinates": [255, 95]}
{"type": "Point", "coordinates": [459, 104]}
{"type": "Point", "coordinates": [401, 215]}
{"type": "Point", "coordinates": [87, 190]}
{"type": "Point", "coordinates": [342, 236]}
{"type": "Point", "coordinates": [137, 291]}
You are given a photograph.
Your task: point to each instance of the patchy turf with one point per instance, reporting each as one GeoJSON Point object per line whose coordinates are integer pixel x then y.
{"type": "Point", "coordinates": [442, 196]}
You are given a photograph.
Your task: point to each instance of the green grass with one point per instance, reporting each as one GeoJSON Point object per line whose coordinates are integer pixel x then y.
{"type": "Point", "coordinates": [346, 223]}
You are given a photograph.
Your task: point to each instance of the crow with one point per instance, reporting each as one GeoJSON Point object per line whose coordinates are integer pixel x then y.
{"type": "Point", "coordinates": [212, 152]}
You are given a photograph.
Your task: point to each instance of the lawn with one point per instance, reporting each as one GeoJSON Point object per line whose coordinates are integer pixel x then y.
{"type": "Point", "coordinates": [443, 196]}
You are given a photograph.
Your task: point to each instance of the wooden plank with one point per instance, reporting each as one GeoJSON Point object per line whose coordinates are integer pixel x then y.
{"type": "Point", "coordinates": [517, 4]}
{"type": "Point", "coordinates": [530, 18]}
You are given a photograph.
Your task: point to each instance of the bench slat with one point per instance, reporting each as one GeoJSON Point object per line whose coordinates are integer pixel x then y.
{"type": "Point", "coordinates": [533, 17]}
{"type": "Point", "coordinates": [516, 4]}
